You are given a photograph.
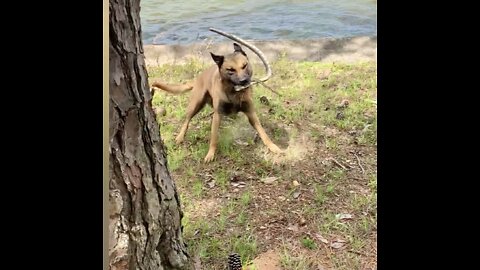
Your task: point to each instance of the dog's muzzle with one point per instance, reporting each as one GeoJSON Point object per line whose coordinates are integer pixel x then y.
{"type": "Point", "coordinates": [244, 82]}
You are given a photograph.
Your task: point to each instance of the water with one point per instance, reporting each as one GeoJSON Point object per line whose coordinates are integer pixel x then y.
{"type": "Point", "coordinates": [187, 21]}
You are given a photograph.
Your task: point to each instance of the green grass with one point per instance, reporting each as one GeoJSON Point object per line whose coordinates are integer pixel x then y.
{"type": "Point", "coordinates": [308, 243]}
{"type": "Point", "coordinates": [309, 108]}
{"type": "Point", "coordinates": [175, 161]}
{"type": "Point", "coordinates": [209, 237]}
{"type": "Point", "coordinates": [197, 188]}
{"type": "Point", "coordinates": [225, 141]}
{"type": "Point", "coordinates": [245, 198]}
{"type": "Point", "coordinates": [221, 177]}
{"type": "Point", "coordinates": [320, 196]}
{"type": "Point", "coordinates": [293, 261]}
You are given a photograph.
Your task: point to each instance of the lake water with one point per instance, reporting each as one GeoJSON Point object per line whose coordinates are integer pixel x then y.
{"type": "Point", "coordinates": [187, 21]}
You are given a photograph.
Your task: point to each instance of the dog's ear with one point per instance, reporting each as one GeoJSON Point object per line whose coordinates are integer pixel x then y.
{"type": "Point", "coordinates": [218, 59]}
{"type": "Point", "coordinates": [237, 48]}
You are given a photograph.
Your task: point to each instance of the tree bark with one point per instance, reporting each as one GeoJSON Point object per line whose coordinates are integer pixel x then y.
{"type": "Point", "coordinates": [145, 217]}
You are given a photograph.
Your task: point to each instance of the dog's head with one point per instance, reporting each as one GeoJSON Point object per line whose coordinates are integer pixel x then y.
{"type": "Point", "coordinates": [235, 67]}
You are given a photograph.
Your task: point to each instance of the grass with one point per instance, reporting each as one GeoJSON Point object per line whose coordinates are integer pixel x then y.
{"type": "Point", "coordinates": [212, 238]}
{"type": "Point", "coordinates": [289, 261]}
{"type": "Point", "coordinates": [308, 243]}
{"type": "Point", "coordinates": [245, 198]}
{"type": "Point", "coordinates": [325, 111]}
{"type": "Point", "coordinates": [222, 178]}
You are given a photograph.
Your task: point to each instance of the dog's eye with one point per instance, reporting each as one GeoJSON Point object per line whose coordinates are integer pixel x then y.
{"type": "Point", "coordinates": [244, 66]}
{"type": "Point", "coordinates": [230, 69]}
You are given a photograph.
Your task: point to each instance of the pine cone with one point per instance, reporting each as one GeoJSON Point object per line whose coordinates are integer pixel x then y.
{"type": "Point", "coordinates": [234, 262]}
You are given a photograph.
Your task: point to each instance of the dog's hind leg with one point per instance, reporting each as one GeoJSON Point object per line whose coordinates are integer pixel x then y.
{"type": "Point", "coordinates": [194, 106]}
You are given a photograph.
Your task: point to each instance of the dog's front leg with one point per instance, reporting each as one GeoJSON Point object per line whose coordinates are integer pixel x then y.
{"type": "Point", "coordinates": [213, 137]}
{"type": "Point", "coordinates": [253, 119]}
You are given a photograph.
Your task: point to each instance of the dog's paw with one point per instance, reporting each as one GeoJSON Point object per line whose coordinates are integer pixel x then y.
{"type": "Point", "coordinates": [275, 149]}
{"type": "Point", "coordinates": [179, 139]}
{"type": "Point", "coordinates": [209, 157]}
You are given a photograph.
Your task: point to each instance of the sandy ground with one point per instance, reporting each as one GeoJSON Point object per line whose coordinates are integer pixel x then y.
{"type": "Point", "coordinates": [325, 50]}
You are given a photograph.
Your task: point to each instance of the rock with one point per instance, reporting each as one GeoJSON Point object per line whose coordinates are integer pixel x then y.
{"type": "Point", "coordinates": [269, 180]}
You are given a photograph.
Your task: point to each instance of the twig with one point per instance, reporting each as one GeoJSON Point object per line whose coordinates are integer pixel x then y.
{"type": "Point", "coordinates": [271, 89]}
{"type": "Point", "coordinates": [360, 164]}
{"type": "Point", "coordinates": [358, 253]}
{"type": "Point", "coordinates": [338, 163]}
{"type": "Point", "coordinates": [206, 116]}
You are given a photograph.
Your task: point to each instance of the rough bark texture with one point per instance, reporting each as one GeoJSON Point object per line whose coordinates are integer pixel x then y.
{"type": "Point", "coordinates": [145, 216]}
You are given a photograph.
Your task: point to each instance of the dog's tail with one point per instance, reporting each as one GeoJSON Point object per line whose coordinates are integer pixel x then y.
{"type": "Point", "coordinates": [173, 88]}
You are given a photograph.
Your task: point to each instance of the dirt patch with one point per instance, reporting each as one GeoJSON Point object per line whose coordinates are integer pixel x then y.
{"type": "Point", "coordinates": [299, 148]}
{"type": "Point", "coordinates": [269, 260]}
{"type": "Point", "coordinates": [203, 208]}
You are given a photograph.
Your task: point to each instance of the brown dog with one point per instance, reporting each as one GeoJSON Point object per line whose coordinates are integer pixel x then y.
{"type": "Point", "coordinates": [215, 86]}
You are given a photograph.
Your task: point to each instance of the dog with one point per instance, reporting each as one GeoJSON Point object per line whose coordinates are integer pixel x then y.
{"type": "Point", "coordinates": [216, 86]}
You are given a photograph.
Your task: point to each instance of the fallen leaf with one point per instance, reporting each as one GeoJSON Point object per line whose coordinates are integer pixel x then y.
{"type": "Point", "coordinates": [343, 216]}
{"type": "Point", "coordinates": [296, 194]}
{"type": "Point", "coordinates": [211, 184]}
{"type": "Point", "coordinates": [239, 142]}
{"type": "Point", "coordinates": [321, 238]}
{"type": "Point", "coordinates": [293, 228]}
{"type": "Point", "coordinates": [269, 180]}
{"type": "Point", "coordinates": [303, 221]}
{"type": "Point", "coordinates": [295, 183]}
{"type": "Point", "coordinates": [336, 245]}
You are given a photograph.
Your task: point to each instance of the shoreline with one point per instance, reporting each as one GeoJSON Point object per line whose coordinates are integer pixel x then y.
{"type": "Point", "coordinates": [347, 50]}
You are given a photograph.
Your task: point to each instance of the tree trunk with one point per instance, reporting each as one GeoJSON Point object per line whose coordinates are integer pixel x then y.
{"type": "Point", "coordinates": [145, 216]}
